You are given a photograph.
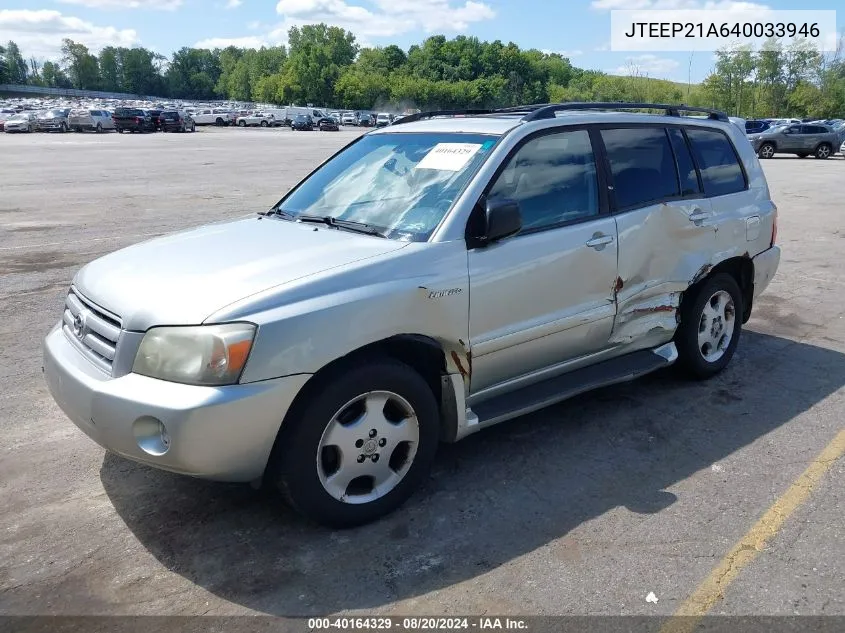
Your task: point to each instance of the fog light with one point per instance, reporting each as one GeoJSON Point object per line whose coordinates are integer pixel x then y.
{"type": "Point", "coordinates": [151, 435]}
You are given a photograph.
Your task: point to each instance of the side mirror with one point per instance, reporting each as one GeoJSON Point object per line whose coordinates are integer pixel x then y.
{"type": "Point", "coordinates": [501, 219]}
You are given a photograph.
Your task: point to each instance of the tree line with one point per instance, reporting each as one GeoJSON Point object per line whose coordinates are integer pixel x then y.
{"type": "Point", "coordinates": [325, 65]}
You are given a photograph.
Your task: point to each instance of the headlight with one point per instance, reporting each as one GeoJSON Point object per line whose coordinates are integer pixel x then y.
{"type": "Point", "coordinates": [211, 355]}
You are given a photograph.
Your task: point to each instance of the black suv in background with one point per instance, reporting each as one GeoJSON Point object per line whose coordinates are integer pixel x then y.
{"type": "Point", "coordinates": [176, 121]}
{"type": "Point", "coordinates": [154, 116]}
{"type": "Point", "coordinates": [302, 122]}
{"type": "Point", "coordinates": [132, 120]}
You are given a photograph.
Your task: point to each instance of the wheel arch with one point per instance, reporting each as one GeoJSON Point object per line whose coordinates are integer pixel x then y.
{"type": "Point", "coordinates": [424, 354]}
{"type": "Point", "coordinates": [741, 268]}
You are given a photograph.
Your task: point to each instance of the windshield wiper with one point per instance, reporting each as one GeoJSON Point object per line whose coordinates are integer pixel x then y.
{"type": "Point", "coordinates": [277, 211]}
{"type": "Point", "coordinates": [350, 225]}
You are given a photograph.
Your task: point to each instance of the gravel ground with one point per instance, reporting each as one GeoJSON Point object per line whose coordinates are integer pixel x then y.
{"type": "Point", "coordinates": [582, 508]}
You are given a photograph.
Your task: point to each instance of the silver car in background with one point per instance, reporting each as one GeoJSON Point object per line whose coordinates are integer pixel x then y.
{"type": "Point", "coordinates": [21, 122]}
{"type": "Point", "coordinates": [804, 139]}
{"type": "Point", "coordinates": [433, 278]}
{"type": "Point", "coordinates": [94, 120]}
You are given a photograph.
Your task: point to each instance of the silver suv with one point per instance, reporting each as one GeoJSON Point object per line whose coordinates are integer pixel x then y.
{"type": "Point", "coordinates": [801, 139]}
{"type": "Point", "coordinates": [431, 279]}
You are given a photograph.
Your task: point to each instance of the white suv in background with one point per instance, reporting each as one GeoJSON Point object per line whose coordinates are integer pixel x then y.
{"type": "Point", "coordinates": [97, 120]}
{"type": "Point", "coordinates": [214, 116]}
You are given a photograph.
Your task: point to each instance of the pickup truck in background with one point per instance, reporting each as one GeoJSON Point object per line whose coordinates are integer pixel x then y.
{"type": "Point", "coordinates": [214, 116]}
{"type": "Point", "coordinates": [132, 120]}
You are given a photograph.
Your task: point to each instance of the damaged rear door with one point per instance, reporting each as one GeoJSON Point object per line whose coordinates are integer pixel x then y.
{"type": "Point", "coordinates": [665, 225]}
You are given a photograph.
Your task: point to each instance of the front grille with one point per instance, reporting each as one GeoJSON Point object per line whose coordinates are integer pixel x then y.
{"type": "Point", "coordinates": [92, 329]}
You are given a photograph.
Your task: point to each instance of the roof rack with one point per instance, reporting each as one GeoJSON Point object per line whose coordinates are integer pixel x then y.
{"type": "Point", "coordinates": [540, 111]}
{"type": "Point", "coordinates": [548, 111]}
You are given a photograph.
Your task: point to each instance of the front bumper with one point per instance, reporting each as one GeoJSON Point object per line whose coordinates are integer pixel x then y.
{"type": "Point", "coordinates": [220, 433]}
{"type": "Point", "coordinates": [765, 267]}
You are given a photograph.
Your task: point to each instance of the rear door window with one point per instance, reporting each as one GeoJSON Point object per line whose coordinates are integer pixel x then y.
{"type": "Point", "coordinates": [721, 172]}
{"type": "Point", "coordinates": [642, 165]}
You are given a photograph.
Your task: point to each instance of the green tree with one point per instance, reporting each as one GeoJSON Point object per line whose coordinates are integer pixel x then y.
{"type": "Point", "coordinates": [82, 67]}
{"type": "Point", "coordinates": [16, 69]}
{"type": "Point", "coordinates": [317, 56]}
{"type": "Point", "coordinates": [53, 76]}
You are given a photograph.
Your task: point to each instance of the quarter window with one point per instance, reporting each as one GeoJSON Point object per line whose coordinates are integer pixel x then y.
{"type": "Point", "coordinates": [553, 178]}
{"type": "Point", "coordinates": [642, 164]}
{"type": "Point", "coordinates": [686, 166]}
{"type": "Point", "coordinates": [721, 172]}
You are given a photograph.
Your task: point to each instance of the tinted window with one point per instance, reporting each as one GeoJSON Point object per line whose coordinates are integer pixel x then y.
{"type": "Point", "coordinates": [721, 172]}
{"type": "Point", "coordinates": [817, 129]}
{"type": "Point", "coordinates": [642, 165]}
{"type": "Point", "coordinates": [686, 166]}
{"type": "Point", "coordinates": [553, 177]}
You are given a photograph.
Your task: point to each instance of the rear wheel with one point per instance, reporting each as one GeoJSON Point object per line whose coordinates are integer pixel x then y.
{"type": "Point", "coordinates": [767, 150]}
{"type": "Point", "coordinates": [264, 124]}
{"type": "Point", "coordinates": [219, 121]}
{"type": "Point", "coordinates": [99, 128]}
{"type": "Point", "coordinates": [711, 323]}
{"type": "Point", "coordinates": [361, 448]}
{"type": "Point", "coordinates": [823, 151]}
{"type": "Point", "coordinates": [241, 123]}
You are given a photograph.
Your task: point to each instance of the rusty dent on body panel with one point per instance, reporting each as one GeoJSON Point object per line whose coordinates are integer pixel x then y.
{"type": "Point", "coordinates": [466, 372]}
{"type": "Point", "coordinates": [638, 318]}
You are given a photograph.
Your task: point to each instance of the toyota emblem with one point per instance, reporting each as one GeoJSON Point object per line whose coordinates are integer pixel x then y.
{"type": "Point", "coordinates": [79, 325]}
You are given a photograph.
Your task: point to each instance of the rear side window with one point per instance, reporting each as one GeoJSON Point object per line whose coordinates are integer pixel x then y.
{"type": "Point", "coordinates": [642, 164]}
{"type": "Point", "coordinates": [721, 172]}
{"type": "Point", "coordinates": [686, 167]}
{"type": "Point", "coordinates": [553, 177]}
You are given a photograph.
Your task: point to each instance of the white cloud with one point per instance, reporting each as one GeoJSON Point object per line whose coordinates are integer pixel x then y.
{"type": "Point", "coordinates": [390, 17]}
{"type": "Point", "coordinates": [233, 4]}
{"type": "Point", "coordinates": [254, 25]}
{"type": "Point", "coordinates": [241, 42]}
{"type": "Point", "coordinates": [648, 64]}
{"type": "Point", "coordinates": [159, 5]}
{"type": "Point", "coordinates": [39, 33]}
{"type": "Point", "coordinates": [720, 5]}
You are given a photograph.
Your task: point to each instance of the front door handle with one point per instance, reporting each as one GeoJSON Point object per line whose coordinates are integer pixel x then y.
{"type": "Point", "coordinates": [698, 216]}
{"type": "Point", "coordinates": [599, 241]}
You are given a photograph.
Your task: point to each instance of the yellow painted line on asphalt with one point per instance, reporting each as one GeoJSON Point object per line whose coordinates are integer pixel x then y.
{"type": "Point", "coordinates": [712, 590]}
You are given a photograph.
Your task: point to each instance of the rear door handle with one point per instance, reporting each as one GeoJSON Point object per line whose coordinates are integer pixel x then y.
{"type": "Point", "coordinates": [699, 216]}
{"type": "Point", "coordinates": [599, 241]}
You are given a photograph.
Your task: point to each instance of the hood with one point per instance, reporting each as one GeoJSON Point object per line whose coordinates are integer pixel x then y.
{"type": "Point", "coordinates": [182, 279]}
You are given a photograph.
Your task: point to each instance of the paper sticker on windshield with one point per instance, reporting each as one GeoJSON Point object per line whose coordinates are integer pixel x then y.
{"type": "Point", "coordinates": [449, 156]}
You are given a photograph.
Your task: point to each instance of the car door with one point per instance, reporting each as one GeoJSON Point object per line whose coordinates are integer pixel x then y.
{"type": "Point", "coordinates": [545, 296]}
{"type": "Point", "coordinates": [792, 139]}
{"type": "Point", "coordinates": [665, 227]}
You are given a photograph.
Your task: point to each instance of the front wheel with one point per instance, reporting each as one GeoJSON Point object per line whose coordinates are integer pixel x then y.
{"type": "Point", "coordinates": [823, 151]}
{"type": "Point", "coordinates": [98, 129]}
{"type": "Point", "coordinates": [360, 447]}
{"type": "Point", "coordinates": [264, 124]}
{"type": "Point", "coordinates": [711, 323]}
{"type": "Point", "coordinates": [241, 123]}
{"type": "Point", "coordinates": [767, 150]}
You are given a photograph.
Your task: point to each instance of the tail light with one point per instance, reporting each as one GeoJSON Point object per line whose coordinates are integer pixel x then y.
{"type": "Point", "coordinates": [774, 226]}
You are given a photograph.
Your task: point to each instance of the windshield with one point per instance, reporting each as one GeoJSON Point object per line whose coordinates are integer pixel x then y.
{"type": "Point", "coordinates": [400, 184]}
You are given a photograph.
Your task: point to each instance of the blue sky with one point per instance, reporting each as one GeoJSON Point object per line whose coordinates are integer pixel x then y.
{"type": "Point", "coordinates": [579, 29]}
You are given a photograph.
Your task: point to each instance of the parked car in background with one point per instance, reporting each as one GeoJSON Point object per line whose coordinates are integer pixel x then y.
{"type": "Point", "coordinates": [93, 120]}
{"type": "Point", "coordinates": [327, 124]}
{"type": "Point", "coordinates": [154, 114]}
{"type": "Point", "coordinates": [756, 126]}
{"type": "Point", "coordinates": [382, 119]}
{"type": "Point", "coordinates": [256, 119]}
{"type": "Point", "coordinates": [214, 116]}
{"type": "Point", "coordinates": [5, 115]}
{"type": "Point", "coordinates": [349, 118]}
{"type": "Point", "coordinates": [132, 120]}
{"type": "Point", "coordinates": [21, 122]}
{"type": "Point", "coordinates": [799, 139]}
{"type": "Point", "coordinates": [177, 121]}
{"type": "Point", "coordinates": [302, 122]}
{"type": "Point", "coordinates": [366, 120]}
{"type": "Point", "coordinates": [53, 121]}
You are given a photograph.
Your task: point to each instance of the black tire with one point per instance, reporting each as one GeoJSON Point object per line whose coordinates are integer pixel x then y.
{"type": "Point", "coordinates": [63, 128]}
{"type": "Point", "coordinates": [98, 129]}
{"type": "Point", "coordinates": [767, 150]}
{"type": "Point", "coordinates": [690, 356]}
{"type": "Point", "coordinates": [219, 121]}
{"type": "Point", "coordinates": [824, 151]}
{"type": "Point", "coordinates": [241, 123]}
{"type": "Point", "coordinates": [193, 127]}
{"type": "Point", "coordinates": [264, 124]}
{"type": "Point", "coordinates": [293, 468]}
